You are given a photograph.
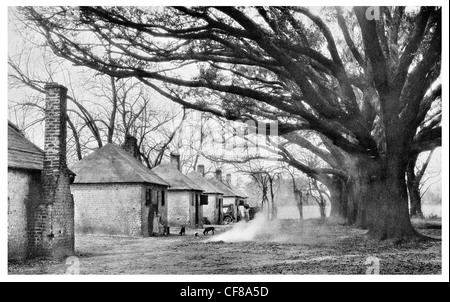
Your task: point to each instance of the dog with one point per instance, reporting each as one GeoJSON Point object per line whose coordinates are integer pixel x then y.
{"type": "Point", "coordinates": [183, 231]}
{"type": "Point", "coordinates": [209, 229]}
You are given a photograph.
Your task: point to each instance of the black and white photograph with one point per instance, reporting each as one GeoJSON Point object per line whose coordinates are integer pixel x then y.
{"type": "Point", "coordinates": [202, 142]}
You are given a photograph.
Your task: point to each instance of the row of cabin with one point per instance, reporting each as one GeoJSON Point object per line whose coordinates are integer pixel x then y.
{"type": "Point", "coordinates": [108, 192]}
{"type": "Point", "coordinates": [217, 193]}
{"type": "Point", "coordinates": [116, 194]}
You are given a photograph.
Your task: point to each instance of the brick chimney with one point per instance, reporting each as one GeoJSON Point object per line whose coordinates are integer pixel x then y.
{"type": "Point", "coordinates": [219, 175]}
{"type": "Point", "coordinates": [229, 179]}
{"type": "Point", "coordinates": [175, 160]}
{"type": "Point", "coordinates": [130, 145]}
{"type": "Point", "coordinates": [51, 228]}
{"type": "Point", "coordinates": [201, 169]}
{"type": "Point", "coordinates": [55, 129]}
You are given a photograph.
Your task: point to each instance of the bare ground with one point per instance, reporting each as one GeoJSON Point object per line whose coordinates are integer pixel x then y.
{"type": "Point", "coordinates": [309, 248]}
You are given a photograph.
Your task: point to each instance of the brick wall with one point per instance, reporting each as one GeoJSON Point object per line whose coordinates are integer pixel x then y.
{"type": "Point", "coordinates": [178, 204]}
{"type": "Point", "coordinates": [23, 187]}
{"type": "Point", "coordinates": [51, 224]}
{"type": "Point", "coordinates": [211, 210]}
{"type": "Point", "coordinates": [181, 209]}
{"type": "Point", "coordinates": [113, 209]}
{"type": "Point", "coordinates": [130, 145]}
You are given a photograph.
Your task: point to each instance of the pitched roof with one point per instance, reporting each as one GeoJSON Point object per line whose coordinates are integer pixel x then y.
{"type": "Point", "coordinates": [177, 180]}
{"type": "Point", "coordinates": [22, 153]}
{"type": "Point", "coordinates": [227, 191]}
{"type": "Point", "coordinates": [112, 164]}
{"type": "Point", "coordinates": [205, 184]}
{"type": "Point", "coordinates": [238, 191]}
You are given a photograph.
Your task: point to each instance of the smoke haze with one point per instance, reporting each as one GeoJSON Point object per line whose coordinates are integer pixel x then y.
{"type": "Point", "coordinates": [258, 228]}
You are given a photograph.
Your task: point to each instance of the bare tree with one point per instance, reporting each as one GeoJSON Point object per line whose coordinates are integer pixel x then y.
{"type": "Point", "coordinates": [298, 189]}
{"type": "Point", "coordinates": [415, 176]}
{"type": "Point", "coordinates": [117, 107]}
{"type": "Point", "coordinates": [314, 187]}
{"type": "Point", "coordinates": [266, 178]}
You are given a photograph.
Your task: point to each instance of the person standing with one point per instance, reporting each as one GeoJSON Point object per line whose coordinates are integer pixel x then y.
{"type": "Point", "coordinates": [246, 212]}
{"type": "Point", "coordinates": [156, 225]}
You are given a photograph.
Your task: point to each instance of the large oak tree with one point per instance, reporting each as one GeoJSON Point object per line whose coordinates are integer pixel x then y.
{"type": "Point", "coordinates": [365, 82]}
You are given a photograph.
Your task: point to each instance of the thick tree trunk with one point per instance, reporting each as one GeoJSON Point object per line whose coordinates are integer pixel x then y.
{"type": "Point", "coordinates": [383, 199]}
{"type": "Point", "coordinates": [338, 200]}
{"type": "Point", "coordinates": [360, 187]}
{"type": "Point", "coordinates": [352, 200]}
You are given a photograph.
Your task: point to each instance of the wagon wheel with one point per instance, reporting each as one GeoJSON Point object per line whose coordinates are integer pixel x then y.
{"type": "Point", "coordinates": [227, 220]}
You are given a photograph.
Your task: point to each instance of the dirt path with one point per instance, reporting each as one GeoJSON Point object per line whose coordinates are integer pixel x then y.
{"type": "Point", "coordinates": [310, 248]}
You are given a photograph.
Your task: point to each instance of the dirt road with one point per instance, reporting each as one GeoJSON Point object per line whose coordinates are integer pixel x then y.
{"type": "Point", "coordinates": [309, 248]}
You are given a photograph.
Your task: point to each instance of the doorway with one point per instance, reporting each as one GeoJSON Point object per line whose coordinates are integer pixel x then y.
{"type": "Point", "coordinates": [151, 200]}
{"type": "Point", "coordinates": [197, 210]}
{"type": "Point", "coordinates": [219, 211]}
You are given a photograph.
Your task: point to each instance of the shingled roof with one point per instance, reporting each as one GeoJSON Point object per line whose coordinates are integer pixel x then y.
{"type": "Point", "coordinates": [177, 180]}
{"type": "Point", "coordinates": [23, 154]}
{"type": "Point", "coordinates": [238, 191]}
{"type": "Point", "coordinates": [112, 164]}
{"type": "Point", "coordinates": [205, 184]}
{"type": "Point", "coordinates": [228, 192]}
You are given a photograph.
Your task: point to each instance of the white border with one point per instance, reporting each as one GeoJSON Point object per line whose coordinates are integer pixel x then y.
{"type": "Point", "coordinates": [225, 278]}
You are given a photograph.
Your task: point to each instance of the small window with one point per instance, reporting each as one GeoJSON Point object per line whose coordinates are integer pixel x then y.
{"type": "Point", "coordinates": [203, 200]}
{"type": "Point", "coordinates": [148, 197]}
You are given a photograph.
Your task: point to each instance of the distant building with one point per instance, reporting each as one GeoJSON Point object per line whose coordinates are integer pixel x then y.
{"type": "Point", "coordinates": [183, 196]}
{"type": "Point", "coordinates": [116, 194]}
{"type": "Point", "coordinates": [242, 197]}
{"type": "Point", "coordinates": [231, 196]}
{"type": "Point", "coordinates": [40, 204]}
{"type": "Point", "coordinates": [212, 208]}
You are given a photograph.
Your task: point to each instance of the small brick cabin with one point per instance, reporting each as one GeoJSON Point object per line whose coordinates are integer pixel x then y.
{"type": "Point", "coordinates": [116, 194]}
{"type": "Point", "coordinates": [212, 207]}
{"type": "Point", "coordinates": [183, 197]}
{"type": "Point", "coordinates": [40, 204]}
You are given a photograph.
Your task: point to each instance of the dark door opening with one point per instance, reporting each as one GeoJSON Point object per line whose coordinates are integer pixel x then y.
{"type": "Point", "coordinates": [153, 209]}
{"type": "Point", "coordinates": [220, 211]}
{"type": "Point", "coordinates": [197, 210]}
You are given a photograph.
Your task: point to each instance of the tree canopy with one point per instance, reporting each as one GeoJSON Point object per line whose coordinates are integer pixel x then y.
{"type": "Point", "coordinates": [283, 64]}
{"type": "Point", "coordinates": [368, 84]}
